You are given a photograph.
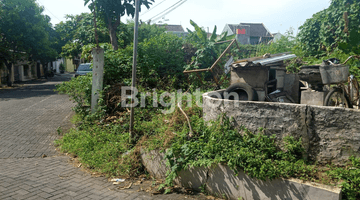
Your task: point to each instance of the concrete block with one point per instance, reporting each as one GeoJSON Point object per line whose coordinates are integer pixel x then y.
{"type": "Point", "coordinates": [221, 181]}
{"type": "Point", "coordinates": [280, 76]}
{"type": "Point", "coordinates": [261, 95]}
{"type": "Point", "coordinates": [265, 190]}
{"type": "Point", "coordinates": [313, 98]}
{"type": "Point", "coordinates": [254, 76]}
{"type": "Point", "coordinates": [309, 190]}
{"type": "Point", "coordinates": [192, 178]}
{"type": "Point", "coordinates": [224, 182]}
{"type": "Point", "coordinates": [154, 163]}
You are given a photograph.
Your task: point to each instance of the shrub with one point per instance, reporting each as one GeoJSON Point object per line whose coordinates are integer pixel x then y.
{"type": "Point", "coordinates": [159, 65]}
{"type": "Point", "coordinates": [257, 154]}
{"type": "Point", "coordinates": [79, 90]}
{"type": "Point", "coordinates": [161, 62]}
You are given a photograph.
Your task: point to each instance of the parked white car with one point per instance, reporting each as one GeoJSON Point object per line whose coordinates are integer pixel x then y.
{"type": "Point", "coordinates": [83, 69]}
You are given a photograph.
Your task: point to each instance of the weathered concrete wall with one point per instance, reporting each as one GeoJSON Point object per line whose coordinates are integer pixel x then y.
{"type": "Point", "coordinates": [329, 134]}
{"type": "Point", "coordinates": [221, 181]}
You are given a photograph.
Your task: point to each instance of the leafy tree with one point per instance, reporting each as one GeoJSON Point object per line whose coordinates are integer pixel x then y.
{"type": "Point", "coordinates": [309, 35]}
{"type": "Point", "coordinates": [47, 49]}
{"type": "Point", "coordinates": [336, 26]}
{"type": "Point", "coordinates": [24, 33]}
{"type": "Point", "coordinates": [77, 32]}
{"type": "Point", "coordinates": [112, 11]}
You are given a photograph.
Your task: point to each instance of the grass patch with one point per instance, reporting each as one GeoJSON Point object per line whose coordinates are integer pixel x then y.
{"type": "Point", "coordinates": [101, 148]}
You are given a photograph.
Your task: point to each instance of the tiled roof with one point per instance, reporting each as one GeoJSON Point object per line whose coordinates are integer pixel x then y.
{"type": "Point", "coordinates": [233, 27]}
{"type": "Point", "coordinates": [256, 29]}
{"type": "Point", "coordinates": [172, 28]}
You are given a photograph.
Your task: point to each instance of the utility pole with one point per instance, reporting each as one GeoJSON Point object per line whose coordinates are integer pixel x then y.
{"type": "Point", "coordinates": [133, 84]}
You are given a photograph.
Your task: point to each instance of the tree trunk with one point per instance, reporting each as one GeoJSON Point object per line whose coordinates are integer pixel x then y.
{"type": "Point", "coordinates": [9, 74]}
{"type": "Point", "coordinates": [95, 26]}
{"type": "Point", "coordinates": [38, 70]}
{"type": "Point", "coordinates": [45, 70]}
{"type": "Point", "coordinates": [112, 31]}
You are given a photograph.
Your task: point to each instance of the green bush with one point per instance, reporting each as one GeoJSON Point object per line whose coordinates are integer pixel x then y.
{"type": "Point", "coordinates": [118, 66]}
{"type": "Point", "coordinates": [79, 90]}
{"type": "Point", "coordinates": [161, 62]}
{"type": "Point", "coordinates": [350, 178]}
{"type": "Point", "coordinates": [256, 154]}
{"type": "Point", "coordinates": [159, 65]}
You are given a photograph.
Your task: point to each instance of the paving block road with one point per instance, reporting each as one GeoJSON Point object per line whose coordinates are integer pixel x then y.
{"type": "Point", "coordinates": [30, 166]}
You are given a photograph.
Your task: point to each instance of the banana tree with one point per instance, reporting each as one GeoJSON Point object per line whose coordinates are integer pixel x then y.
{"type": "Point", "coordinates": [207, 51]}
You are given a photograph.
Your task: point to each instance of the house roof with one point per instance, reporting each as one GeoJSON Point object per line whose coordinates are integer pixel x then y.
{"type": "Point", "coordinates": [232, 28]}
{"type": "Point", "coordinates": [256, 29]}
{"type": "Point", "coordinates": [172, 28]}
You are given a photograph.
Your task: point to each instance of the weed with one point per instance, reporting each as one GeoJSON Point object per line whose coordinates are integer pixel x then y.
{"type": "Point", "coordinates": [59, 130]}
{"type": "Point", "coordinates": [203, 188]}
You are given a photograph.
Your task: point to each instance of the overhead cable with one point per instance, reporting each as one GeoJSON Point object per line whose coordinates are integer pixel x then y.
{"type": "Point", "coordinates": [48, 10]}
{"type": "Point", "coordinates": [177, 4]}
{"type": "Point", "coordinates": [151, 8]}
{"type": "Point", "coordinates": [169, 11]}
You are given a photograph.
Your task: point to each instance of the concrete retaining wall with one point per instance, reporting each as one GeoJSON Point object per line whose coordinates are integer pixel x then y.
{"type": "Point", "coordinates": [329, 134]}
{"type": "Point", "coordinates": [223, 182]}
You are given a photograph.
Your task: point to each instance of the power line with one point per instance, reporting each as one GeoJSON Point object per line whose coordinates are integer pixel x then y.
{"type": "Point", "coordinates": [166, 9]}
{"type": "Point", "coordinates": [49, 10]}
{"type": "Point", "coordinates": [170, 11]}
{"type": "Point", "coordinates": [152, 8]}
{"type": "Point", "coordinates": [177, 4]}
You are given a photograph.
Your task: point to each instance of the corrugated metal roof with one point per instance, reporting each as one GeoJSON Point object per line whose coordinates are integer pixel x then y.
{"type": "Point", "coordinates": [267, 61]}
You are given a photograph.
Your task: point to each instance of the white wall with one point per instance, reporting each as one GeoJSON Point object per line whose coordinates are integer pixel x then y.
{"type": "Point", "coordinates": [56, 65]}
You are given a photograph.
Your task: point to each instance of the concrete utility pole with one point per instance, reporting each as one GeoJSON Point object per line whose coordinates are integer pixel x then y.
{"type": "Point", "coordinates": [98, 77]}
{"type": "Point", "coordinates": [137, 6]}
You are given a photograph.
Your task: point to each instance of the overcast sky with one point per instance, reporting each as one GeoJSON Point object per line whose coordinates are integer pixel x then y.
{"type": "Point", "coordinates": [277, 16]}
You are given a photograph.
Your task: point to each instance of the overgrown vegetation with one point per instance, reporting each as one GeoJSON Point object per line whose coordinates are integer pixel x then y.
{"type": "Point", "coordinates": [103, 146]}
{"type": "Point", "coordinates": [101, 139]}
{"type": "Point", "coordinates": [256, 154]}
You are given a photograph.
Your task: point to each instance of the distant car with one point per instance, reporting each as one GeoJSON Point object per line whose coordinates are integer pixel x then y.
{"type": "Point", "coordinates": [83, 69]}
